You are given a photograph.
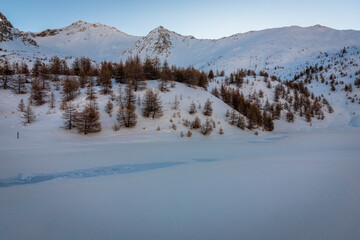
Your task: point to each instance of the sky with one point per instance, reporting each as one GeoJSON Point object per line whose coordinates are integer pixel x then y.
{"type": "Point", "coordinates": [202, 19]}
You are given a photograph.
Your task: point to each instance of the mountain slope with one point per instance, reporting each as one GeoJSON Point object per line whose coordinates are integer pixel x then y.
{"type": "Point", "coordinates": [256, 50]}
{"type": "Point", "coordinates": [96, 41]}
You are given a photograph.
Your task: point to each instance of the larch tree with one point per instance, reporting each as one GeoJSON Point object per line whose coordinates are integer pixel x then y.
{"type": "Point", "coordinates": [69, 116]}
{"type": "Point", "coordinates": [208, 108]}
{"type": "Point", "coordinates": [88, 120]}
{"type": "Point", "coordinates": [19, 85]}
{"type": "Point", "coordinates": [192, 108]}
{"type": "Point", "coordinates": [38, 94]}
{"type": "Point", "coordinates": [52, 100]}
{"type": "Point", "coordinates": [105, 78]}
{"type": "Point", "coordinates": [6, 72]}
{"type": "Point", "coordinates": [21, 106]}
{"type": "Point", "coordinates": [152, 104]}
{"type": "Point", "coordinates": [126, 116]}
{"type": "Point", "coordinates": [109, 107]}
{"type": "Point", "coordinates": [28, 115]}
{"type": "Point", "coordinates": [70, 89]}
{"type": "Point", "coordinates": [207, 128]}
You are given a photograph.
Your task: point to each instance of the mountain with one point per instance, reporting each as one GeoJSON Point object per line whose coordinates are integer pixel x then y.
{"type": "Point", "coordinates": [10, 34]}
{"type": "Point", "coordinates": [96, 41]}
{"type": "Point", "coordinates": [283, 49]}
{"type": "Point", "coordinates": [278, 47]}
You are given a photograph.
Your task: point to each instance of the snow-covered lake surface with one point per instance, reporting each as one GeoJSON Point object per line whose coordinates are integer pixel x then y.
{"type": "Point", "coordinates": [301, 185]}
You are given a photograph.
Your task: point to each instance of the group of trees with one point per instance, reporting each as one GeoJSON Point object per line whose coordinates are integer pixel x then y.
{"type": "Point", "coordinates": [255, 117]}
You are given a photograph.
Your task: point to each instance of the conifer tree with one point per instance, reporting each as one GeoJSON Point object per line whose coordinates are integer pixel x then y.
{"type": "Point", "coordinates": [192, 108]}
{"type": "Point", "coordinates": [37, 94]}
{"type": "Point", "coordinates": [70, 89]}
{"type": "Point", "coordinates": [129, 96]}
{"type": "Point", "coordinates": [211, 74]}
{"type": "Point", "coordinates": [152, 105]}
{"type": "Point", "coordinates": [176, 103]}
{"type": "Point", "coordinates": [196, 123]}
{"type": "Point", "coordinates": [290, 117]}
{"type": "Point", "coordinates": [109, 108]}
{"type": "Point", "coordinates": [126, 116]}
{"type": "Point", "coordinates": [91, 92]}
{"type": "Point", "coordinates": [105, 78]}
{"type": "Point", "coordinates": [268, 123]}
{"type": "Point", "coordinates": [241, 122]}
{"type": "Point", "coordinates": [69, 115]}
{"type": "Point", "coordinates": [6, 71]}
{"type": "Point", "coordinates": [233, 117]}
{"type": "Point", "coordinates": [208, 108]}
{"type": "Point", "coordinates": [21, 106]}
{"type": "Point", "coordinates": [87, 121]}
{"type": "Point", "coordinates": [28, 115]}
{"type": "Point", "coordinates": [52, 101]}
{"type": "Point", "coordinates": [19, 85]}
{"type": "Point", "coordinates": [207, 128]}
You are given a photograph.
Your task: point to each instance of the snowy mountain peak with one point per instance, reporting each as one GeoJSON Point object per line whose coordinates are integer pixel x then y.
{"type": "Point", "coordinates": [158, 42]}
{"type": "Point", "coordinates": [76, 27]}
{"type": "Point", "coordinates": [4, 20]}
{"type": "Point", "coordinates": [9, 33]}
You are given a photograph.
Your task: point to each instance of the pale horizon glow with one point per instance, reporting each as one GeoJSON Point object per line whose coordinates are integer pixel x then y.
{"type": "Point", "coordinates": [202, 19]}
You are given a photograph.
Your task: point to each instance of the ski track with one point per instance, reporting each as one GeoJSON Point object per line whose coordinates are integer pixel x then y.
{"type": "Point", "coordinates": [20, 179]}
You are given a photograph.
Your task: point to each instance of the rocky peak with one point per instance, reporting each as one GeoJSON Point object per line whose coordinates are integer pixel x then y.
{"type": "Point", "coordinates": [9, 33]}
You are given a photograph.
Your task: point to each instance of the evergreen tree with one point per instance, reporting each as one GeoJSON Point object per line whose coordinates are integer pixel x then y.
{"type": "Point", "coordinates": [35, 71]}
{"type": "Point", "coordinates": [120, 73]}
{"type": "Point", "coordinates": [152, 105]}
{"type": "Point", "coordinates": [241, 122]}
{"type": "Point", "coordinates": [126, 116]}
{"type": "Point", "coordinates": [233, 117]}
{"type": "Point", "coordinates": [176, 103]}
{"type": "Point", "coordinates": [21, 106]}
{"type": "Point", "coordinates": [196, 124]}
{"type": "Point", "coordinates": [19, 85]}
{"type": "Point", "coordinates": [38, 94]}
{"type": "Point", "coordinates": [192, 108]}
{"type": "Point", "coordinates": [87, 121]}
{"type": "Point", "coordinates": [28, 115]}
{"type": "Point", "coordinates": [52, 101]}
{"type": "Point", "coordinates": [6, 72]}
{"type": "Point", "coordinates": [129, 96]}
{"type": "Point", "coordinates": [109, 108]}
{"type": "Point", "coordinates": [105, 78]}
{"type": "Point", "coordinates": [268, 123]}
{"type": "Point", "coordinates": [69, 115]}
{"type": "Point", "coordinates": [207, 128]}
{"type": "Point", "coordinates": [70, 89]}
{"type": "Point", "coordinates": [208, 108]}
{"type": "Point", "coordinates": [83, 78]}
{"type": "Point", "coordinates": [221, 131]}
{"type": "Point", "coordinates": [90, 91]}
{"type": "Point", "coordinates": [202, 81]}
{"type": "Point", "coordinates": [211, 74]}
{"type": "Point", "coordinates": [290, 117]}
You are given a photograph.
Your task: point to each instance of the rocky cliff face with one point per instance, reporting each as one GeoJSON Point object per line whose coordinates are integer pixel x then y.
{"type": "Point", "coordinates": [9, 33]}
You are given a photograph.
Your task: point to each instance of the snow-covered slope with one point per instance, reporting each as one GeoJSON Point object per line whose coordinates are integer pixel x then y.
{"type": "Point", "coordinates": [278, 47]}
{"type": "Point", "coordinates": [96, 41]}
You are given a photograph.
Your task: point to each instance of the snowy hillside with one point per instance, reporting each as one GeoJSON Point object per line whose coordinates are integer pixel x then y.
{"type": "Point", "coordinates": [96, 41]}
{"type": "Point", "coordinates": [279, 47]}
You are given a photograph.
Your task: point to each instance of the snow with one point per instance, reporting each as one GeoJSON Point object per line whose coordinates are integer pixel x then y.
{"type": "Point", "coordinates": [144, 184]}
{"type": "Point", "coordinates": [298, 182]}
{"type": "Point", "coordinates": [302, 186]}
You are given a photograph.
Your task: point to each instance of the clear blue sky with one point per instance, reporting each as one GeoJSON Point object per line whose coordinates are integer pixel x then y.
{"type": "Point", "coordinates": [202, 19]}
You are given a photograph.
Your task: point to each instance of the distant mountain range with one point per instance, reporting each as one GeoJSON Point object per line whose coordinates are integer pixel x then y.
{"type": "Point", "coordinates": [265, 49]}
